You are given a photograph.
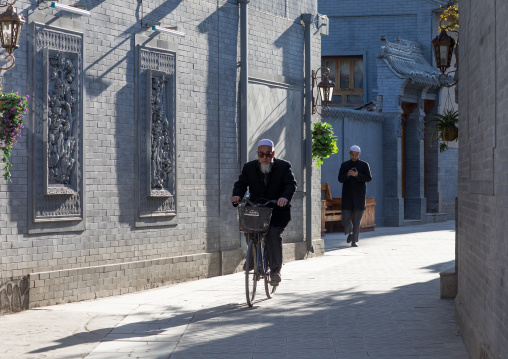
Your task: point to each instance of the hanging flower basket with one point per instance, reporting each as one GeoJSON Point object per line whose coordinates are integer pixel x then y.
{"type": "Point", "coordinates": [450, 134]}
{"type": "Point", "coordinates": [444, 128]}
{"type": "Point", "coordinates": [324, 143]}
{"type": "Point", "coordinates": [12, 110]}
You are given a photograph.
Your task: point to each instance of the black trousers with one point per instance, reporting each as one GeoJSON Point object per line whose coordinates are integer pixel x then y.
{"type": "Point", "coordinates": [352, 225]}
{"type": "Point", "coordinates": [274, 248]}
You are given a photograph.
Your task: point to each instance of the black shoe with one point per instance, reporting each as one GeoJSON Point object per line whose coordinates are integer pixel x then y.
{"type": "Point", "coordinates": [349, 238]}
{"type": "Point", "coordinates": [275, 278]}
{"type": "Point", "coordinates": [353, 244]}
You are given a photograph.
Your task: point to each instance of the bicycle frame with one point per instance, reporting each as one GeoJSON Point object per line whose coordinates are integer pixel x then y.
{"type": "Point", "coordinates": [261, 253]}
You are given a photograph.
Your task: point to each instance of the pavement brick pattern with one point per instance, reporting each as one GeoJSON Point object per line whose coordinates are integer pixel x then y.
{"type": "Point", "coordinates": [380, 300]}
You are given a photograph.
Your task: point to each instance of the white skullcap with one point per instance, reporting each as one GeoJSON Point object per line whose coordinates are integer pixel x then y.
{"type": "Point", "coordinates": [355, 148]}
{"type": "Point", "coordinates": [265, 142]}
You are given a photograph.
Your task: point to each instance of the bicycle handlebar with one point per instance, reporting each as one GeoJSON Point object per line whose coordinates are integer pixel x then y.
{"type": "Point", "coordinates": [257, 203]}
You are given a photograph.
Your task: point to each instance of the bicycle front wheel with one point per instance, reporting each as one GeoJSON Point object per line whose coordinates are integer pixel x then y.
{"type": "Point", "coordinates": [269, 289]}
{"type": "Point", "coordinates": [251, 273]}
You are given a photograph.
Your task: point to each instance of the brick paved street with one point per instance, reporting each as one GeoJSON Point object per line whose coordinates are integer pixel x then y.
{"type": "Point", "coordinates": [380, 300]}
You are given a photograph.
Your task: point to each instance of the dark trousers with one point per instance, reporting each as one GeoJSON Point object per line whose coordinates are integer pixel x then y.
{"type": "Point", "coordinates": [274, 248]}
{"type": "Point", "coordinates": [352, 225]}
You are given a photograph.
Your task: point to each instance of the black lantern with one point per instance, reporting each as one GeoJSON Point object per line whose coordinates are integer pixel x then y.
{"type": "Point", "coordinates": [325, 89]}
{"type": "Point", "coordinates": [443, 50]}
{"type": "Point", "coordinates": [11, 24]}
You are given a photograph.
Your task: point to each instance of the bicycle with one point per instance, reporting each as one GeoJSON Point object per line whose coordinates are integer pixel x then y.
{"type": "Point", "coordinates": [254, 221]}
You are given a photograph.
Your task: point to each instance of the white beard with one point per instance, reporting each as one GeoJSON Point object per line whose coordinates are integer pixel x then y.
{"type": "Point", "coordinates": [265, 169]}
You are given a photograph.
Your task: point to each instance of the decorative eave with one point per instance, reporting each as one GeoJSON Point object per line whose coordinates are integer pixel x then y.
{"type": "Point", "coordinates": [405, 59]}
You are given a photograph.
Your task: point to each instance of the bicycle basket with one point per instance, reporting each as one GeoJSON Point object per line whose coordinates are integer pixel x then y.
{"type": "Point", "coordinates": [254, 219]}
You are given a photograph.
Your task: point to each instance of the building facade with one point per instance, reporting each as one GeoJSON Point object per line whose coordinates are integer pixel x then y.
{"type": "Point", "coordinates": [380, 56]}
{"type": "Point", "coordinates": [133, 140]}
{"type": "Point", "coordinates": [482, 296]}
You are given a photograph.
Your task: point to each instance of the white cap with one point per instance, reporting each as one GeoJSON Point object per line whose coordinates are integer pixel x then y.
{"type": "Point", "coordinates": [355, 148]}
{"type": "Point", "coordinates": [265, 142]}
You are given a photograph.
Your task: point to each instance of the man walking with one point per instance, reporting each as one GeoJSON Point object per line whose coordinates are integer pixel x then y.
{"type": "Point", "coordinates": [271, 179]}
{"type": "Point", "coordinates": [353, 175]}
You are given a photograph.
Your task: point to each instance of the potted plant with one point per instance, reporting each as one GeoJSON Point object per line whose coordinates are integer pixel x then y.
{"type": "Point", "coordinates": [444, 128]}
{"type": "Point", "coordinates": [324, 143]}
{"type": "Point", "coordinates": [12, 109]}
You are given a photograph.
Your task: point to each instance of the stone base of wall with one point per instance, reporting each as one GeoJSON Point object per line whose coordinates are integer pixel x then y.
{"type": "Point", "coordinates": [475, 344]}
{"type": "Point", "coordinates": [72, 285]}
{"type": "Point", "coordinates": [448, 283]}
{"type": "Point", "coordinates": [436, 217]}
{"type": "Point", "coordinates": [297, 251]}
{"type": "Point", "coordinates": [14, 294]}
{"type": "Point", "coordinates": [232, 261]}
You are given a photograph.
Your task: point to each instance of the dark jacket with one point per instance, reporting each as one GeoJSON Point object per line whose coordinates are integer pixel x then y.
{"type": "Point", "coordinates": [354, 189]}
{"type": "Point", "coordinates": [281, 183]}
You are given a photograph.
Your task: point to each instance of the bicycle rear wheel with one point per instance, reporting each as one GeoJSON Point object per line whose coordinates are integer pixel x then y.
{"type": "Point", "coordinates": [251, 275]}
{"type": "Point", "coordinates": [269, 288]}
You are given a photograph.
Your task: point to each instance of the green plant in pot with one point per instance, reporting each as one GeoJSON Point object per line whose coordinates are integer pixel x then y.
{"type": "Point", "coordinates": [324, 143]}
{"type": "Point", "coordinates": [444, 128]}
{"type": "Point", "coordinates": [12, 110]}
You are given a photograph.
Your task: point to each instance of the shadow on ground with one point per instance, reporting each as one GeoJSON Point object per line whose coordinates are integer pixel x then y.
{"type": "Point", "coordinates": [345, 324]}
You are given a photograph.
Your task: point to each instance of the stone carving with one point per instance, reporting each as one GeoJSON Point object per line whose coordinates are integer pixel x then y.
{"type": "Point", "coordinates": [15, 295]}
{"type": "Point", "coordinates": [57, 121]}
{"type": "Point", "coordinates": [161, 163]}
{"type": "Point", "coordinates": [61, 119]}
{"type": "Point", "coordinates": [157, 61]}
{"type": "Point", "coordinates": [157, 160]}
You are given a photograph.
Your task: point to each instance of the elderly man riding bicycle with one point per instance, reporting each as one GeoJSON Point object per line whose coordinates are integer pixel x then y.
{"type": "Point", "coordinates": [269, 178]}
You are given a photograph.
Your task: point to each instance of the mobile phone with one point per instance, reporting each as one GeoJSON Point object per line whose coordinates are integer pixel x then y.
{"type": "Point", "coordinates": [353, 169]}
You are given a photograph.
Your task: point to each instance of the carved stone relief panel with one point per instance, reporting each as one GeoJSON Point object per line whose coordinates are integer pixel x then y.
{"type": "Point", "coordinates": [157, 150]}
{"type": "Point", "coordinates": [161, 165]}
{"type": "Point", "coordinates": [61, 114]}
{"type": "Point", "coordinates": [57, 106]}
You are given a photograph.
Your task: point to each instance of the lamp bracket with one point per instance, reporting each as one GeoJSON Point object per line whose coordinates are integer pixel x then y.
{"type": "Point", "coordinates": [6, 56]}
{"type": "Point", "coordinates": [6, 3]}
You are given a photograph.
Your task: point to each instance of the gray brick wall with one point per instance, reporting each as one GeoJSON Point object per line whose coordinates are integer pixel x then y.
{"type": "Point", "coordinates": [483, 196]}
{"type": "Point", "coordinates": [207, 125]}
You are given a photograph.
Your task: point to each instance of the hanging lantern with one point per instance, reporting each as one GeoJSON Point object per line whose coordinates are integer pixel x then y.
{"type": "Point", "coordinates": [443, 50]}
{"type": "Point", "coordinates": [326, 90]}
{"type": "Point", "coordinates": [11, 24]}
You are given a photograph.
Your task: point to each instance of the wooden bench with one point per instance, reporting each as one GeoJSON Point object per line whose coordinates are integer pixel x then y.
{"type": "Point", "coordinates": [331, 213]}
{"type": "Point", "coordinates": [330, 208]}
